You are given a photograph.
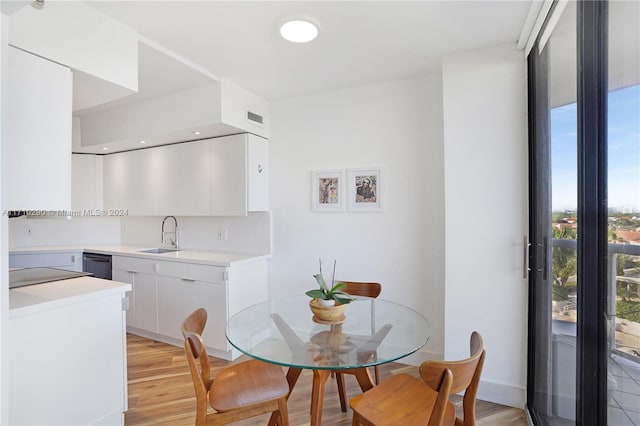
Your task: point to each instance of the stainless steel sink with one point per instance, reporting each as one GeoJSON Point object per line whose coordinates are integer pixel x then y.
{"type": "Point", "coordinates": [158, 250]}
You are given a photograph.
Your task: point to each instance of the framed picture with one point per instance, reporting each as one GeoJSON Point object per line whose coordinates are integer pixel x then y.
{"type": "Point", "coordinates": [365, 189]}
{"type": "Point", "coordinates": [327, 191]}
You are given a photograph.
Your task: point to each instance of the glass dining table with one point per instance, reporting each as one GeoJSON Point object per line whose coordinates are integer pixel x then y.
{"type": "Point", "coordinates": [285, 332]}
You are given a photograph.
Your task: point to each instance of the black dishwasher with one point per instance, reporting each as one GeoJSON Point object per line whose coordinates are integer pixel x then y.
{"type": "Point", "coordinates": [97, 264]}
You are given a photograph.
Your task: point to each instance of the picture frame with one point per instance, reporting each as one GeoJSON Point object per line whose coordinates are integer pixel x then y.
{"type": "Point", "coordinates": [365, 189]}
{"type": "Point", "coordinates": [327, 191]}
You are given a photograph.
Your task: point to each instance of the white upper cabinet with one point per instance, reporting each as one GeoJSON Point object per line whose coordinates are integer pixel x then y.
{"type": "Point", "coordinates": [131, 181]}
{"type": "Point", "coordinates": [226, 176]}
{"type": "Point", "coordinates": [38, 145]}
{"type": "Point", "coordinates": [257, 174]}
{"type": "Point", "coordinates": [86, 182]}
{"type": "Point", "coordinates": [185, 179]}
{"type": "Point", "coordinates": [239, 180]}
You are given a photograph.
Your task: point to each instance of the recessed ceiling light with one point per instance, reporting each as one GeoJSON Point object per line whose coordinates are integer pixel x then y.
{"type": "Point", "coordinates": [104, 148]}
{"type": "Point", "coordinates": [142, 141]}
{"type": "Point", "coordinates": [299, 30]}
{"type": "Point", "coordinates": [196, 132]}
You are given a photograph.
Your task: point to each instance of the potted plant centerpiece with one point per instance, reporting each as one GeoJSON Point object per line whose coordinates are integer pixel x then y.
{"type": "Point", "coordinates": [328, 303]}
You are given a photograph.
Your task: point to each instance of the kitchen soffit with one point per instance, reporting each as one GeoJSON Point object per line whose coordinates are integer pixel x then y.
{"type": "Point", "coordinates": [159, 73]}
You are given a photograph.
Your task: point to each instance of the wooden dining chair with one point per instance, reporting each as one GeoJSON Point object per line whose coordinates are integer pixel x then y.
{"type": "Point", "coordinates": [240, 391]}
{"type": "Point", "coordinates": [356, 288]}
{"type": "Point", "coordinates": [422, 404]}
{"type": "Point", "coordinates": [409, 402]}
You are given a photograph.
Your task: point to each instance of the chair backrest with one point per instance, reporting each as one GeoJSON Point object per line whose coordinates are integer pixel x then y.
{"type": "Point", "coordinates": [199, 365]}
{"type": "Point", "coordinates": [466, 376]}
{"type": "Point", "coordinates": [357, 288]}
{"type": "Point", "coordinates": [443, 389]}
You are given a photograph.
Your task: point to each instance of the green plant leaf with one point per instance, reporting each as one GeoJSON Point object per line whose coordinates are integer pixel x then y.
{"type": "Point", "coordinates": [338, 287]}
{"type": "Point", "coordinates": [340, 298]}
{"type": "Point", "coordinates": [316, 294]}
{"type": "Point", "coordinates": [320, 279]}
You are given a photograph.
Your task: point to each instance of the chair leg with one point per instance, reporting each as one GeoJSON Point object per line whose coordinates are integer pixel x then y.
{"type": "Point", "coordinates": [283, 412]}
{"type": "Point", "coordinates": [341, 392]}
{"type": "Point", "coordinates": [356, 419]}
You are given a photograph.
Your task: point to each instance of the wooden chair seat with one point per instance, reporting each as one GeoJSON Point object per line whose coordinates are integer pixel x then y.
{"type": "Point", "coordinates": [248, 383]}
{"type": "Point", "coordinates": [402, 400]}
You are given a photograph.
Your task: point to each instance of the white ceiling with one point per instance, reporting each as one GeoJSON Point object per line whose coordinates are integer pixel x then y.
{"type": "Point", "coordinates": [360, 42]}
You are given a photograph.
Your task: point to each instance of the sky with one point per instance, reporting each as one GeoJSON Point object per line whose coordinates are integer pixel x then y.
{"type": "Point", "coordinates": [623, 152]}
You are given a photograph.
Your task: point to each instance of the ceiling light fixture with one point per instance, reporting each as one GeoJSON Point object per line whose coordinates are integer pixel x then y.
{"type": "Point", "coordinates": [142, 142]}
{"type": "Point", "coordinates": [104, 148]}
{"type": "Point", "coordinates": [196, 132]}
{"type": "Point", "coordinates": [299, 30]}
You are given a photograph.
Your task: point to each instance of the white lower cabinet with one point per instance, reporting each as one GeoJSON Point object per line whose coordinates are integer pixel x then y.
{"type": "Point", "coordinates": [166, 292]}
{"type": "Point", "coordinates": [71, 260]}
{"type": "Point", "coordinates": [143, 311]}
{"type": "Point", "coordinates": [68, 363]}
{"type": "Point", "coordinates": [178, 297]}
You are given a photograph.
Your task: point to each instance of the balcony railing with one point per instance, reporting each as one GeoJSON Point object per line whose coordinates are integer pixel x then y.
{"type": "Point", "coordinates": [624, 333]}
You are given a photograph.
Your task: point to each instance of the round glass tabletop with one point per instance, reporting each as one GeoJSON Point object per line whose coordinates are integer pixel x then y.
{"type": "Point", "coordinates": [285, 332]}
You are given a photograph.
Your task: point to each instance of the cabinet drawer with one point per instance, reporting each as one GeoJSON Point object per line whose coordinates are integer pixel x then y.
{"type": "Point", "coordinates": [32, 260]}
{"type": "Point", "coordinates": [134, 264]}
{"type": "Point", "coordinates": [192, 271]}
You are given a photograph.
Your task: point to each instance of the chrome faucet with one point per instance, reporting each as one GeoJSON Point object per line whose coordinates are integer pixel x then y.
{"type": "Point", "coordinates": [173, 242]}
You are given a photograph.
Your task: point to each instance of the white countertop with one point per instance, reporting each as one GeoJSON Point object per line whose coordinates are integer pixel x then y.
{"type": "Point", "coordinates": [206, 257]}
{"type": "Point", "coordinates": [39, 297]}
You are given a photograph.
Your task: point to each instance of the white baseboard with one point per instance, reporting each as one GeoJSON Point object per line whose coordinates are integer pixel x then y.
{"type": "Point", "coordinates": [500, 393]}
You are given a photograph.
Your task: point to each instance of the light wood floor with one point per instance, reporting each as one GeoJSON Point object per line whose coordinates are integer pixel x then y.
{"type": "Point", "coordinates": [161, 391]}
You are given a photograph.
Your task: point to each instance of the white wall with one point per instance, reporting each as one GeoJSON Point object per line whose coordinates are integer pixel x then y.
{"type": "Point", "coordinates": [485, 163]}
{"type": "Point", "coordinates": [396, 125]}
{"type": "Point", "coordinates": [250, 234]}
{"type": "Point", "coordinates": [25, 232]}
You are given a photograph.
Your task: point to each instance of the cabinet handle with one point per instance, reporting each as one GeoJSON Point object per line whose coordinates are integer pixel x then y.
{"type": "Point", "coordinates": [259, 168]}
{"type": "Point", "coordinates": [189, 280]}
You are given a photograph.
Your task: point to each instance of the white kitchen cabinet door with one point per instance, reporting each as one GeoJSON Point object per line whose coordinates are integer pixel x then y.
{"type": "Point", "coordinates": [239, 175]}
{"type": "Point", "coordinates": [141, 192]}
{"type": "Point", "coordinates": [67, 260]}
{"type": "Point", "coordinates": [115, 177]}
{"type": "Point", "coordinates": [38, 144]}
{"type": "Point", "coordinates": [145, 301]}
{"type": "Point", "coordinates": [258, 174]}
{"type": "Point", "coordinates": [229, 176]}
{"type": "Point", "coordinates": [131, 181]}
{"type": "Point", "coordinates": [178, 297]}
{"type": "Point", "coordinates": [126, 277]}
{"type": "Point", "coordinates": [86, 182]}
{"type": "Point", "coordinates": [185, 181]}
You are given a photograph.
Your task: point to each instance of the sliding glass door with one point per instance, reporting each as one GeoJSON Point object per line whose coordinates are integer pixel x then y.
{"type": "Point", "coordinates": [623, 150]}
{"type": "Point", "coordinates": [584, 255]}
{"type": "Point", "coordinates": [554, 219]}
